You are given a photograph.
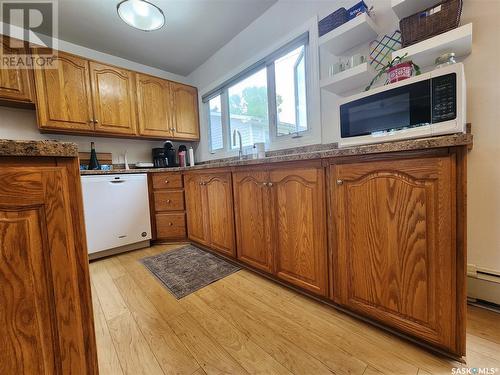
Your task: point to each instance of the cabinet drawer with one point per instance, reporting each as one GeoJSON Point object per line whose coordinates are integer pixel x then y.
{"type": "Point", "coordinates": [166, 200]}
{"type": "Point", "coordinates": [167, 181]}
{"type": "Point", "coordinates": [170, 226]}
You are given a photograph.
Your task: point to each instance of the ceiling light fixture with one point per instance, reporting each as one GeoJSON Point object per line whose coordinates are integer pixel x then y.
{"type": "Point", "coordinates": [141, 14]}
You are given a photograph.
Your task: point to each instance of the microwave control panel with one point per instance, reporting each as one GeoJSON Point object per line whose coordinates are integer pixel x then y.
{"type": "Point", "coordinates": [444, 98]}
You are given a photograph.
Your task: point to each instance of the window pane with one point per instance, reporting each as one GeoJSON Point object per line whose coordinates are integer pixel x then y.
{"type": "Point", "coordinates": [216, 139]}
{"type": "Point", "coordinates": [248, 110]}
{"type": "Point", "coordinates": [290, 72]}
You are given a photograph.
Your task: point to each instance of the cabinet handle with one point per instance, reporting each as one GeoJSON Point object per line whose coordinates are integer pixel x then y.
{"type": "Point", "coordinates": [96, 121]}
{"type": "Point", "coordinates": [170, 224]}
{"type": "Point", "coordinates": [167, 181]}
{"type": "Point", "coordinates": [168, 200]}
{"type": "Point", "coordinates": [264, 184]}
{"type": "Point", "coordinates": [270, 184]}
{"type": "Point", "coordinates": [340, 182]}
{"type": "Point", "coordinates": [91, 120]}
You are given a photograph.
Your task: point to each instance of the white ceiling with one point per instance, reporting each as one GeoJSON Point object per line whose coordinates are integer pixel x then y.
{"type": "Point", "coordinates": [194, 30]}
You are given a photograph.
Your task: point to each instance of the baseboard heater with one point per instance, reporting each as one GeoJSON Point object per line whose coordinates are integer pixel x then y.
{"type": "Point", "coordinates": [483, 284]}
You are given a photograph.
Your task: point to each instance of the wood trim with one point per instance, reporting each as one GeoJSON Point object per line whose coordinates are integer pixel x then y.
{"type": "Point", "coordinates": [75, 192]}
{"type": "Point", "coordinates": [461, 246]}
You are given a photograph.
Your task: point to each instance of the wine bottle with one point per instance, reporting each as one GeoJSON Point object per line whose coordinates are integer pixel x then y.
{"type": "Point", "coordinates": [93, 163]}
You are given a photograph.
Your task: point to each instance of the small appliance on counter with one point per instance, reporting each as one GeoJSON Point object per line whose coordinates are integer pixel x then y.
{"type": "Point", "coordinates": [165, 157]}
{"type": "Point", "coordinates": [159, 158]}
{"type": "Point", "coordinates": [430, 104]}
{"type": "Point", "coordinates": [171, 154]}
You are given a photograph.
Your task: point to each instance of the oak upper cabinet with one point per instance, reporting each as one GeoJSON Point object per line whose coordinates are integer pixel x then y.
{"type": "Point", "coordinates": [219, 213]}
{"type": "Point", "coordinates": [253, 218]}
{"type": "Point", "coordinates": [64, 97]}
{"type": "Point", "coordinates": [15, 84]}
{"type": "Point", "coordinates": [394, 256]}
{"type": "Point", "coordinates": [113, 94]}
{"type": "Point", "coordinates": [46, 315]}
{"type": "Point", "coordinates": [154, 106]}
{"type": "Point", "coordinates": [299, 213]}
{"type": "Point", "coordinates": [209, 206]}
{"type": "Point", "coordinates": [185, 112]}
{"type": "Point", "coordinates": [196, 204]}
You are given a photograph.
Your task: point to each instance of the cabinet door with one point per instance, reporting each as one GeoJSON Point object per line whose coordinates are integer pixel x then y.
{"type": "Point", "coordinates": [64, 98]}
{"type": "Point", "coordinates": [41, 320]}
{"type": "Point", "coordinates": [299, 227]}
{"type": "Point", "coordinates": [154, 106]}
{"type": "Point", "coordinates": [196, 204]}
{"type": "Point", "coordinates": [113, 93]}
{"type": "Point", "coordinates": [15, 84]}
{"type": "Point", "coordinates": [219, 192]}
{"type": "Point", "coordinates": [394, 252]}
{"type": "Point", "coordinates": [253, 219]}
{"type": "Point", "coordinates": [185, 111]}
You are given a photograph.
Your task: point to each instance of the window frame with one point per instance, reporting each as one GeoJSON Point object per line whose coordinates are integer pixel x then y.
{"type": "Point", "coordinates": [273, 131]}
{"type": "Point", "coordinates": [269, 64]}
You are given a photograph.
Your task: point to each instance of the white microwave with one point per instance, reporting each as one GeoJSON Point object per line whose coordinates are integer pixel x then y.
{"type": "Point", "coordinates": [426, 105]}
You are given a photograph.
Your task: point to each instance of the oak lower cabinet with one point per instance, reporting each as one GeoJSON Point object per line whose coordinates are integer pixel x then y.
{"type": "Point", "coordinates": [196, 207]}
{"type": "Point", "coordinates": [16, 84]}
{"type": "Point", "coordinates": [394, 254]}
{"type": "Point", "coordinates": [167, 205]}
{"type": "Point", "coordinates": [209, 206]}
{"type": "Point", "coordinates": [46, 320]}
{"type": "Point", "coordinates": [252, 211]}
{"type": "Point", "coordinates": [280, 223]}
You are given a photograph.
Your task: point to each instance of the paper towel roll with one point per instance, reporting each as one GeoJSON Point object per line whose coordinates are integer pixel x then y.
{"type": "Point", "coordinates": [191, 157]}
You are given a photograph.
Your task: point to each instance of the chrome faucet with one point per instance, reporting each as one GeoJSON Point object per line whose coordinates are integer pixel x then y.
{"type": "Point", "coordinates": [240, 152]}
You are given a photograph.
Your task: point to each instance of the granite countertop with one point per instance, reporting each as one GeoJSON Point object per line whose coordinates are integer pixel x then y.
{"type": "Point", "coordinates": [37, 148]}
{"type": "Point", "coordinates": [407, 145]}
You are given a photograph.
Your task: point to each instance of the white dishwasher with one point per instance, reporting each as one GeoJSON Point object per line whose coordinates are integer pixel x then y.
{"type": "Point", "coordinates": [116, 209]}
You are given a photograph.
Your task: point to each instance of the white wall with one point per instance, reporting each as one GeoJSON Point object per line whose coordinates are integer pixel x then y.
{"type": "Point", "coordinates": [483, 108]}
{"type": "Point", "coordinates": [483, 83]}
{"type": "Point", "coordinates": [21, 123]}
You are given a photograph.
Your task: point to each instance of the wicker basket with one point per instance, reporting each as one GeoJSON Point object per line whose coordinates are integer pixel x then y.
{"type": "Point", "coordinates": [334, 20]}
{"type": "Point", "coordinates": [431, 21]}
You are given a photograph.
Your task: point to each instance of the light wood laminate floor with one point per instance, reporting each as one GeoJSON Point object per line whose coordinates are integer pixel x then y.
{"type": "Point", "coordinates": [248, 324]}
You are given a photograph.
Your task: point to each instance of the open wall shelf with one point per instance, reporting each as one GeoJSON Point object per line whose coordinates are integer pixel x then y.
{"type": "Point", "coordinates": [405, 8]}
{"type": "Point", "coordinates": [359, 30]}
{"type": "Point", "coordinates": [348, 80]}
{"type": "Point", "coordinates": [424, 53]}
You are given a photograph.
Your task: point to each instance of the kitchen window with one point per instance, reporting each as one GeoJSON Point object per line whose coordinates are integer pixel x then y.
{"type": "Point", "coordinates": [265, 103]}
{"type": "Point", "coordinates": [215, 123]}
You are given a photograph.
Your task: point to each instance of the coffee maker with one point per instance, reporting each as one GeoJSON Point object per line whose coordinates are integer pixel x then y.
{"type": "Point", "coordinates": [159, 158]}
{"type": "Point", "coordinates": [165, 157]}
{"type": "Point", "coordinates": [170, 154]}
